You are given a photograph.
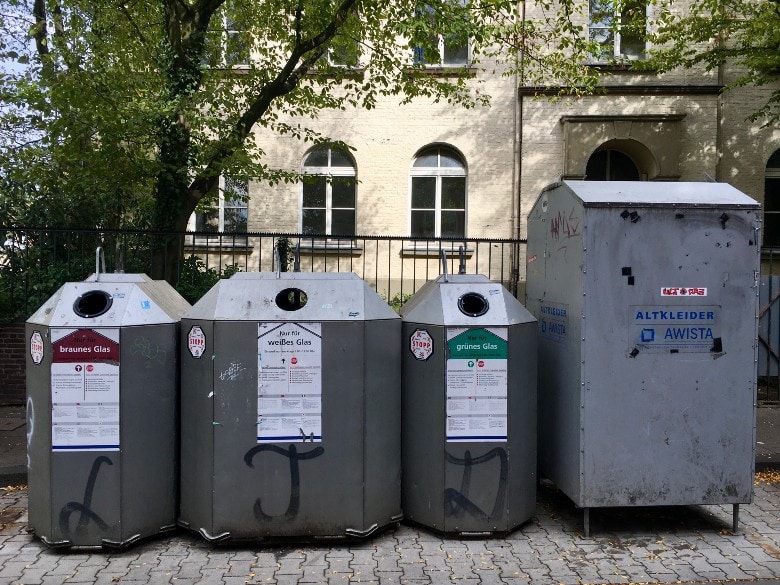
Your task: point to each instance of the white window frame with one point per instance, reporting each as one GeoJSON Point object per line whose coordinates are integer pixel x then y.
{"type": "Point", "coordinates": [220, 205]}
{"type": "Point", "coordinates": [617, 49]}
{"type": "Point", "coordinates": [439, 172]}
{"type": "Point", "coordinates": [440, 64]}
{"type": "Point", "coordinates": [228, 32]}
{"type": "Point", "coordinates": [328, 172]}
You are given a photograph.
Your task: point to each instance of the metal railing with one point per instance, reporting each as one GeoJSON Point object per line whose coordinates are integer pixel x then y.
{"type": "Point", "coordinates": [34, 263]}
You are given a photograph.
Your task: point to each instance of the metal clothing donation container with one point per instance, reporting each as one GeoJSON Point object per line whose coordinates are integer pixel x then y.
{"type": "Point", "coordinates": [102, 383]}
{"type": "Point", "coordinates": [469, 407]}
{"type": "Point", "coordinates": [290, 414]}
{"type": "Point", "coordinates": [647, 300]}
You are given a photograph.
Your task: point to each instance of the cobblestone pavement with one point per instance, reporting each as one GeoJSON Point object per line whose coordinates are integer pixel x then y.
{"type": "Point", "coordinates": [632, 545]}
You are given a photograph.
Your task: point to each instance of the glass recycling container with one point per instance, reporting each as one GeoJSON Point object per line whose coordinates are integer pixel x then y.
{"type": "Point", "coordinates": [469, 407]}
{"type": "Point", "coordinates": [102, 383]}
{"type": "Point", "coordinates": [291, 408]}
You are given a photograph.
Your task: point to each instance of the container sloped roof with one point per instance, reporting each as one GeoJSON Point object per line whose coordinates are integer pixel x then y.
{"type": "Point", "coordinates": [650, 193]}
{"type": "Point", "coordinates": [255, 296]}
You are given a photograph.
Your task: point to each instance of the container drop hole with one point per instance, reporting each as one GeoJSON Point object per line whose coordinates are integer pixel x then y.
{"type": "Point", "coordinates": [92, 303]}
{"type": "Point", "coordinates": [291, 299]}
{"type": "Point", "coordinates": [473, 304]}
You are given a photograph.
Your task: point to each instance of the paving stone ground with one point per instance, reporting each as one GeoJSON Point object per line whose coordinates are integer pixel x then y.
{"type": "Point", "coordinates": [631, 545]}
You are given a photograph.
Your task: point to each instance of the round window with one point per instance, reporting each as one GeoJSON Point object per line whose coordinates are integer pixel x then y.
{"type": "Point", "coordinates": [291, 299]}
{"type": "Point", "coordinates": [473, 304]}
{"type": "Point", "coordinates": [92, 303]}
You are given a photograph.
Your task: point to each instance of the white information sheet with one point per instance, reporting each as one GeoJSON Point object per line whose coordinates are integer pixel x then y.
{"type": "Point", "coordinates": [477, 384]}
{"type": "Point", "coordinates": [85, 389]}
{"type": "Point", "coordinates": [289, 382]}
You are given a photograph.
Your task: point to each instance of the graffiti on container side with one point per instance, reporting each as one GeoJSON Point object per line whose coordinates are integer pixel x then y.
{"type": "Point", "coordinates": [233, 372]}
{"type": "Point", "coordinates": [151, 351]}
{"type": "Point", "coordinates": [86, 515]}
{"type": "Point", "coordinates": [295, 476]}
{"type": "Point", "coordinates": [563, 225]}
{"type": "Point", "coordinates": [457, 502]}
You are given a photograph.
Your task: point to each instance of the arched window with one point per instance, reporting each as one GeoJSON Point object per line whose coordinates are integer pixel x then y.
{"type": "Point", "coordinates": [772, 201]}
{"type": "Point", "coordinates": [438, 194]}
{"type": "Point", "coordinates": [328, 193]}
{"type": "Point", "coordinates": [611, 165]}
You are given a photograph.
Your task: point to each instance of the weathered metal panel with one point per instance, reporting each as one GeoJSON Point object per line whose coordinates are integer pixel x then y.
{"type": "Point", "coordinates": [456, 481]}
{"type": "Point", "coordinates": [39, 433]}
{"type": "Point", "coordinates": [150, 449]}
{"type": "Point", "coordinates": [382, 451]}
{"type": "Point", "coordinates": [423, 429]}
{"type": "Point", "coordinates": [197, 418]}
{"type": "Point", "coordinates": [339, 477]}
{"type": "Point", "coordinates": [669, 342]}
{"type": "Point", "coordinates": [555, 268]}
{"type": "Point", "coordinates": [108, 476]}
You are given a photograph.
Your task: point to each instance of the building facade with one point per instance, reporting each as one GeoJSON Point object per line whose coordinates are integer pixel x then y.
{"type": "Point", "coordinates": [426, 170]}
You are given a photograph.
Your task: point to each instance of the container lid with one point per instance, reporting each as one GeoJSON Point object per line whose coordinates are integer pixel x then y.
{"type": "Point", "coordinates": [291, 296]}
{"type": "Point", "coordinates": [113, 300]}
{"type": "Point", "coordinates": [465, 300]}
{"type": "Point", "coordinates": [651, 193]}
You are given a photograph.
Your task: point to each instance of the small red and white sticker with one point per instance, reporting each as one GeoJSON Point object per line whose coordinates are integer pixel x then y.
{"type": "Point", "coordinates": [421, 344]}
{"type": "Point", "coordinates": [683, 291]}
{"type": "Point", "coordinates": [36, 347]}
{"type": "Point", "coordinates": [196, 341]}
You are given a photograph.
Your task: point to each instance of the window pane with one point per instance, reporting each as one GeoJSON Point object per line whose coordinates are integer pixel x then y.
{"type": "Point", "coordinates": [344, 52]}
{"type": "Point", "coordinates": [342, 222]}
{"type": "Point", "coordinates": [423, 224]}
{"type": "Point", "coordinates": [611, 165]}
{"type": "Point", "coordinates": [428, 158]}
{"type": "Point", "coordinates": [772, 194]}
{"type": "Point", "coordinates": [317, 158]}
{"type": "Point", "coordinates": [314, 192]}
{"type": "Point", "coordinates": [453, 192]}
{"type": "Point", "coordinates": [621, 167]}
{"type": "Point", "coordinates": [771, 229]}
{"type": "Point", "coordinates": [207, 221]}
{"type": "Point", "coordinates": [343, 192]}
{"type": "Point", "coordinates": [453, 224]}
{"type": "Point", "coordinates": [313, 221]}
{"type": "Point", "coordinates": [633, 26]}
{"type": "Point", "coordinates": [423, 192]}
{"type": "Point", "coordinates": [450, 160]}
{"type": "Point", "coordinates": [456, 52]}
{"type": "Point", "coordinates": [339, 159]}
{"type": "Point", "coordinates": [236, 192]}
{"type": "Point", "coordinates": [235, 219]}
{"type": "Point", "coordinates": [236, 50]}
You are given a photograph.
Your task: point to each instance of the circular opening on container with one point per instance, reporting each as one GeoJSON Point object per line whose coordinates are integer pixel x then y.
{"type": "Point", "coordinates": [291, 299]}
{"type": "Point", "coordinates": [92, 303]}
{"type": "Point", "coordinates": [473, 304]}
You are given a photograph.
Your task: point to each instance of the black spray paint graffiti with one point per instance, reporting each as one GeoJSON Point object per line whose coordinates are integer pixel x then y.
{"type": "Point", "coordinates": [456, 503]}
{"type": "Point", "coordinates": [84, 508]}
{"type": "Point", "coordinates": [295, 476]}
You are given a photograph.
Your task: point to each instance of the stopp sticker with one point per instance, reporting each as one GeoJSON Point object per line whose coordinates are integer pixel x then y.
{"type": "Point", "coordinates": [36, 347]}
{"type": "Point", "coordinates": [196, 341]}
{"type": "Point", "coordinates": [421, 344]}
